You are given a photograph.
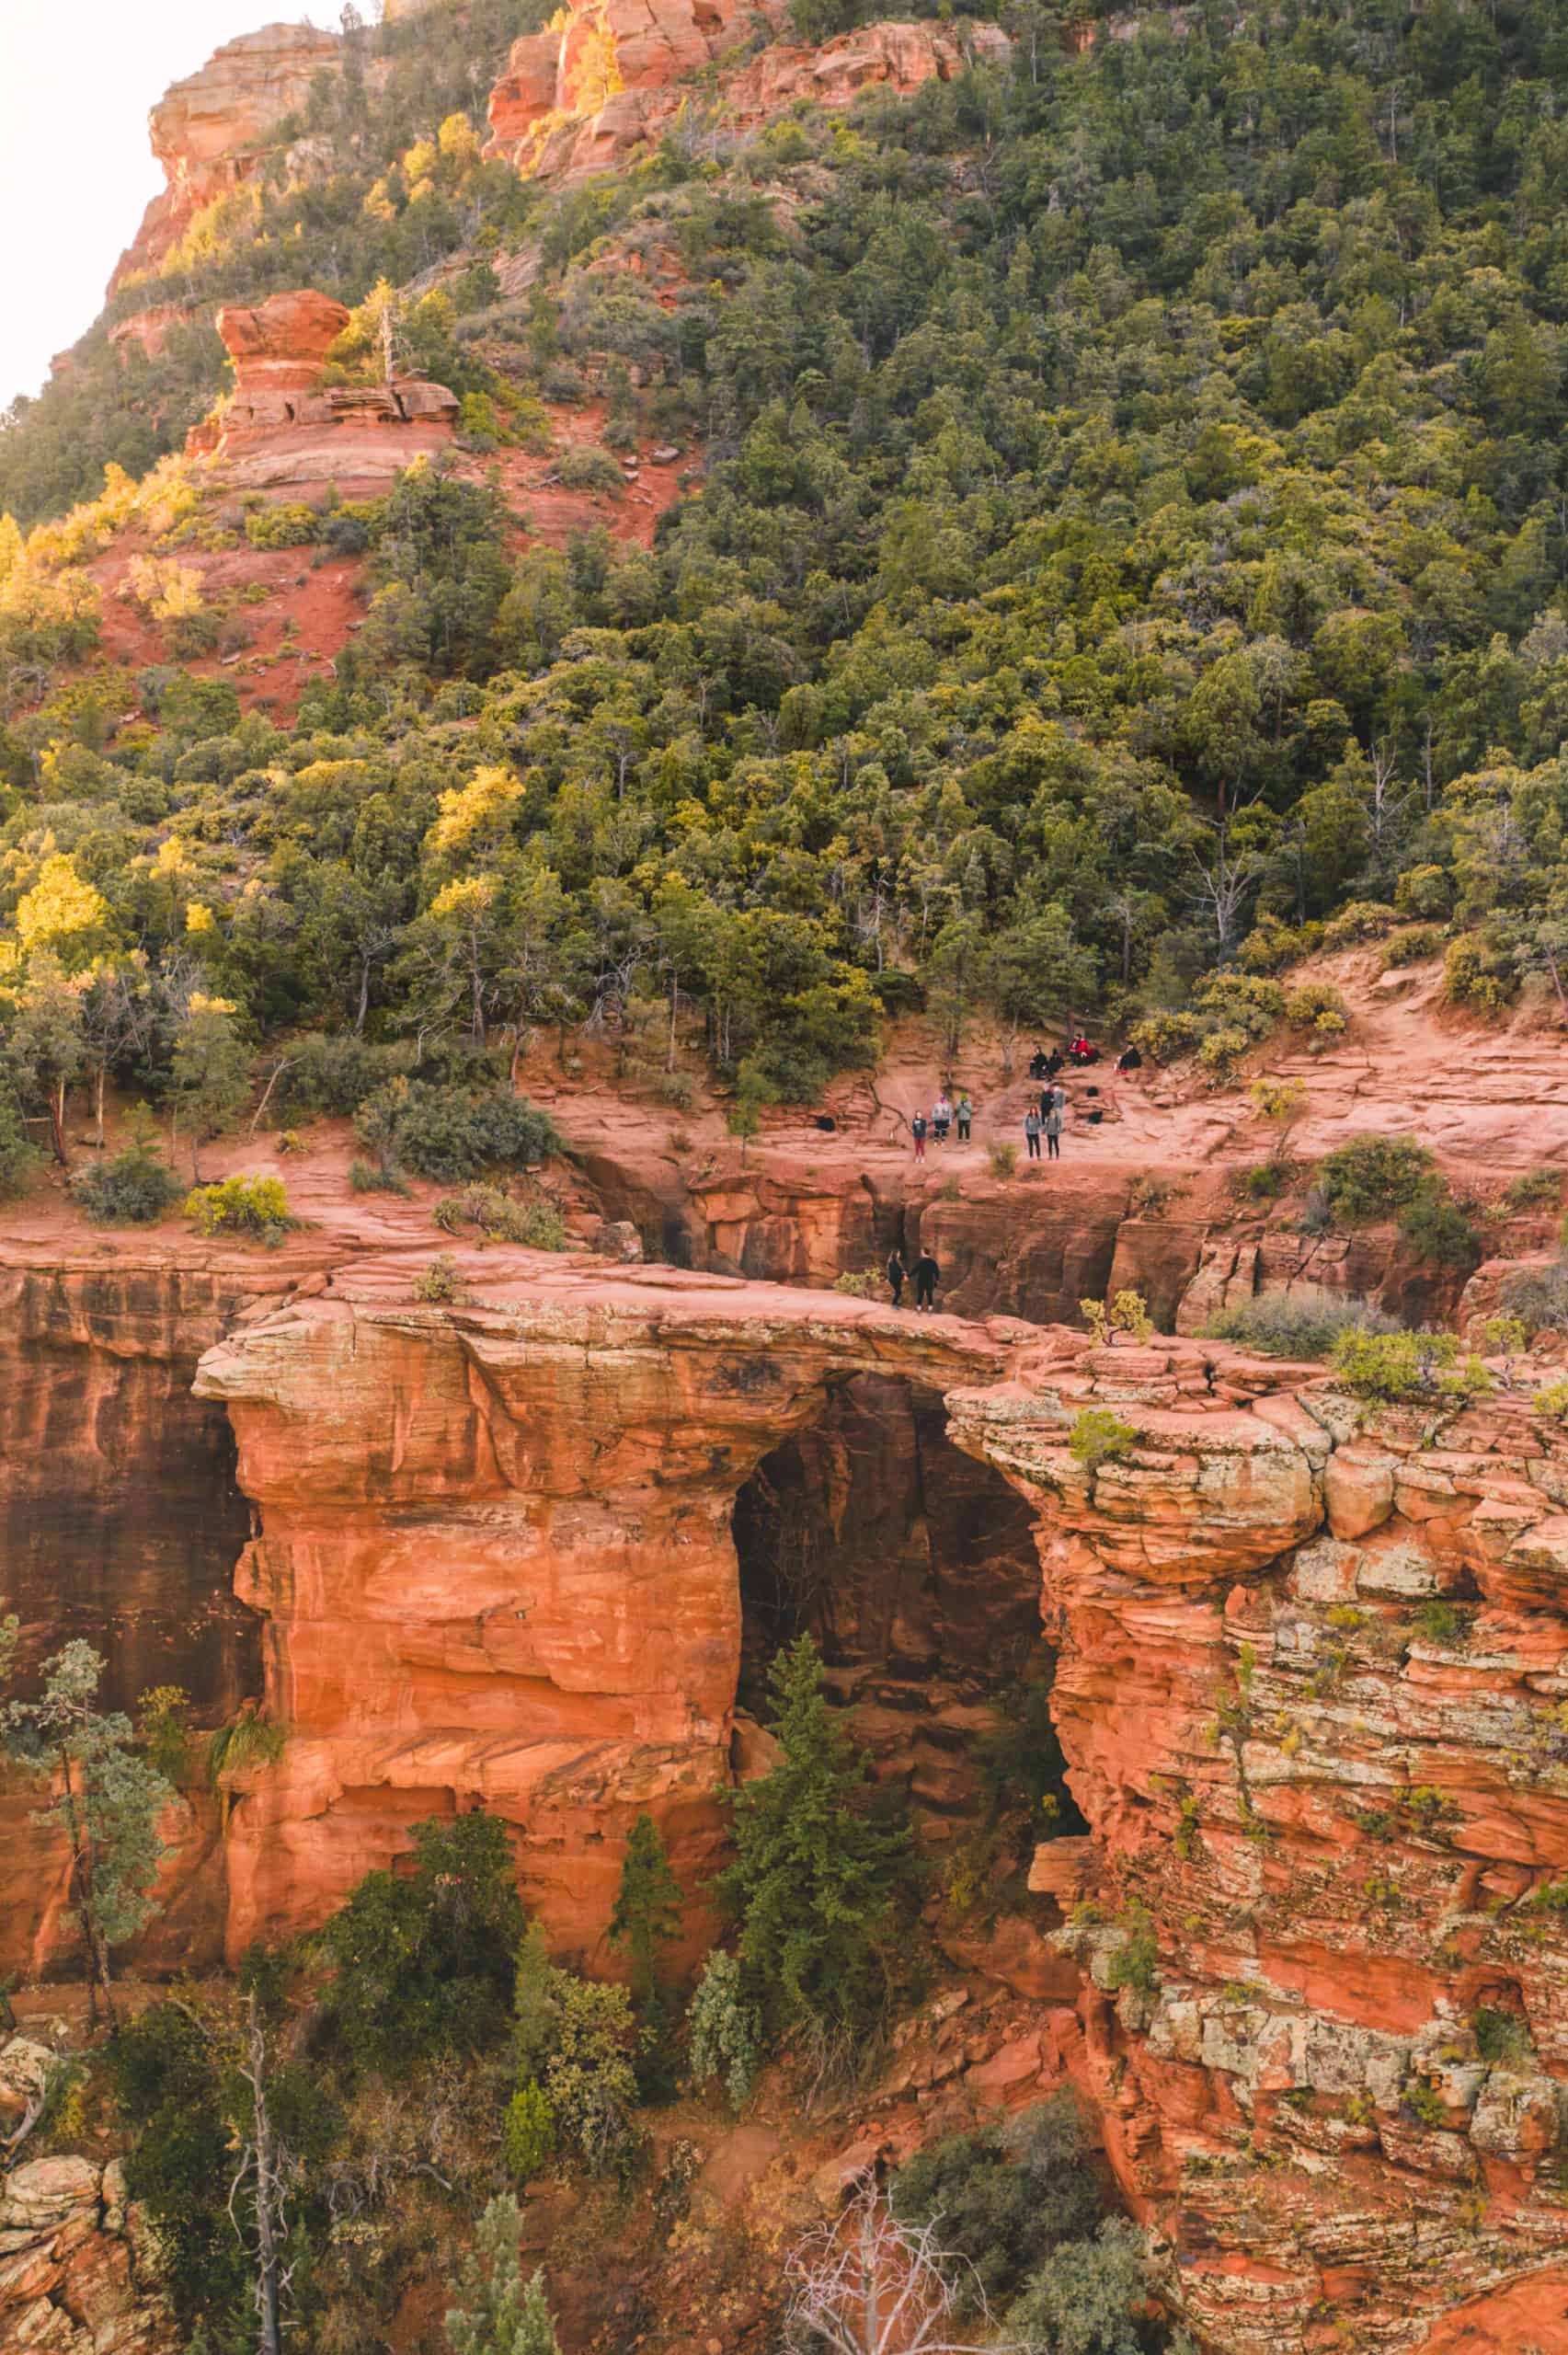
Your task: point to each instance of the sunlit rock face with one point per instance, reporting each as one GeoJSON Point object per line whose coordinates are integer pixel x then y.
{"type": "Point", "coordinates": [210, 131]}
{"type": "Point", "coordinates": [609, 76]}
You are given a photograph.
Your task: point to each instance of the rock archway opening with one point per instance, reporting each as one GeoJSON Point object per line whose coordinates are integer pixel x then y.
{"type": "Point", "coordinates": [914, 1569]}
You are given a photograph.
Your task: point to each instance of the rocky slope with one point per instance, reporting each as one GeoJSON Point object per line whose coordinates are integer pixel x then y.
{"type": "Point", "coordinates": [211, 131]}
{"type": "Point", "coordinates": [604, 83]}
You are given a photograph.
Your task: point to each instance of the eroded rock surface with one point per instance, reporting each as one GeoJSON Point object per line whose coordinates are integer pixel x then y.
{"type": "Point", "coordinates": [210, 131]}
{"type": "Point", "coordinates": [285, 427]}
{"type": "Point", "coordinates": [496, 1561]}
{"type": "Point", "coordinates": [75, 2270]}
{"type": "Point", "coordinates": [608, 81]}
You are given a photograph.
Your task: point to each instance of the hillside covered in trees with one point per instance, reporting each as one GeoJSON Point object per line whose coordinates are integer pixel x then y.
{"type": "Point", "coordinates": [1127, 530]}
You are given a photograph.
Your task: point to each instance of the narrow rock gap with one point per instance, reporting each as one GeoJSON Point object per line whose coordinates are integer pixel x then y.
{"type": "Point", "coordinates": [914, 1566]}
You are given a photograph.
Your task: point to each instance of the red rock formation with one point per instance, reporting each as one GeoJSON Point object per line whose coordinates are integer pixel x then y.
{"type": "Point", "coordinates": [463, 1601]}
{"type": "Point", "coordinates": [282, 345]}
{"type": "Point", "coordinates": [282, 429]}
{"type": "Point", "coordinates": [580, 98]}
{"type": "Point", "coordinates": [1337, 1807]}
{"type": "Point", "coordinates": [68, 2274]}
{"type": "Point", "coordinates": [210, 131]}
{"type": "Point", "coordinates": [497, 1560]}
{"type": "Point", "coordinates": [122, 1523]}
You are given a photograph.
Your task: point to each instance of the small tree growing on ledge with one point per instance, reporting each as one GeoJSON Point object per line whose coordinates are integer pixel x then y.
{"type": "Point", "coordinates": [1129, 1312]}
{"type": "Point", "coordinates": [109, 1803]}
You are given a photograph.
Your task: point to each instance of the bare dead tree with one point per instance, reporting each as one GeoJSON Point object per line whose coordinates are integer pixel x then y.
{"type": "Point", "coordinates": [866, 2284]}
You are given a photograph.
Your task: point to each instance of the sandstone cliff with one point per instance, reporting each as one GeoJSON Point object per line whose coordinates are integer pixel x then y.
{"type": "Point", "coordinates": [1311, 1672]}
{"type": "Point", "coordinates": [604, 79]}
{"type": "Point", "coordinates": [209, 131]}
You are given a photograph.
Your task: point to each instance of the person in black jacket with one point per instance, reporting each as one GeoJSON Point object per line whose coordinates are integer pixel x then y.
{"type": "Point", "coordinates": [896, 1274]}
{"type": "Point", "coordinates": [928, 1275]}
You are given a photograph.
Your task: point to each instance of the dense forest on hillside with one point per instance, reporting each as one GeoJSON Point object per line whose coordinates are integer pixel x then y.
{"type": "Point", "coordinates": [1132, 539]}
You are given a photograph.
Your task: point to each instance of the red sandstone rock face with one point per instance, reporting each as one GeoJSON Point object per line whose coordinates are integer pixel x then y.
{"type": "Point", "coordinates": [209, 131]}
{"type": "Point", "coordinates": [467, 1600]}
{"type": "Point", "coordinates": [73, 2247]}
{"type": "Point", "coordinates": [1335, 1810]}
{"type": "Point", "coordinates": [283, 342]}
{"type": "Point", "coordinates": [1336, 1819]}
{"type": "Point", "coordinates": [121, 1525]}
{"type": "Point", "coordinates": [581, 100]}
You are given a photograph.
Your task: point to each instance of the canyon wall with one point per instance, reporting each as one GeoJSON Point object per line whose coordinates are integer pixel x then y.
{"type": "Point", "coordinates": [496, 1564]}
{"type": "Point", "coordinates": [1310, 1687]}
{"type": "Point", "coordinates": [1314, 1661]}
{"type": "Point", "coordinates": [1310, 1676]}
{"type": "Point", "coordinates": [122, 1522]}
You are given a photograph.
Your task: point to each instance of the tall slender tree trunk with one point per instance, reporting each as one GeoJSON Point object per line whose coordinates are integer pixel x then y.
{"type": "Point", "coordinates": [57, 1124]}
{"type": "Point", "coordinates": [270, 2337]}
{"type": "Point", "coordinates": [100, 1986]}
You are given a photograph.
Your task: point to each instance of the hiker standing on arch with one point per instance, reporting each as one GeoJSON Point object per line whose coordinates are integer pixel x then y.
{"type": "Point", "coordinates": [928, 1275]}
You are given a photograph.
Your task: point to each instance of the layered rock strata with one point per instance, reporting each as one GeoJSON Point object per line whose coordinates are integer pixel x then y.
{"type": "Point", "coordinates": [209, 131]}
{"type": "Point", "coordinates": [496, 1564]}
{"type": "Point", "coordinates": [283, 425]}
{"type": "Point", "coordinates": [604, 79]}
{"type": "Point", "coordinates": [1310, 1684]}
{"type": "Point", "coordinates": [75, 2273]}
{"type": "Point", "coordinates": [1313, 1666]}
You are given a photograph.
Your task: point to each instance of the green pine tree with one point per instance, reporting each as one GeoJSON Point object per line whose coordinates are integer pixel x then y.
{"type": "Point", "coordinates": [647, 1917]}
{"type": "Point", "coordinates": [818, 1871]}
{"type": "Point", "coordinates": [648, 1905]}
{"type": "Point", "coordinates": [108, 1800]}
{"type": "Point", "coordinates": [500, 2313]}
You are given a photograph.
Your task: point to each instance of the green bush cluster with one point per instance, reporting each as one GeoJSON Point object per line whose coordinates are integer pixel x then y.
{"type": "Point", "coordinates": [452, 1132]}
{"type": "Point", "coordinates": [423, 1961]}
{"type": "Point", "coordinates": [1020, 2209]}
{"type": "Point", "coordinates": [288, 524]}
{"type": "Point", "coordinates": [1284, 1325]}
{"type": "Point", "coordinates": [1390, 1367]}
{"type": "Point", "coordinates": [257, 1207]}
{"type": "Point", "coordinates": [1373, 1177]}
{"type": "Point", "coordinates": [133, 1187]}
{"type": "Point", "coordinates": [536, 1222]}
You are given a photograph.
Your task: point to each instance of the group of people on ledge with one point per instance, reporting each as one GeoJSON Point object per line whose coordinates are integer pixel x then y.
{"type": "Point", "coordinates": [1045, 1121]}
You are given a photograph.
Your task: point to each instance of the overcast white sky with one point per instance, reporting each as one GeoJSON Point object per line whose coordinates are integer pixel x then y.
{"type": "Point", "coordinates": [76, 83]}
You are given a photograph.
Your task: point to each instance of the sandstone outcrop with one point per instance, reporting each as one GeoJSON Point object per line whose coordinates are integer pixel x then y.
{"type": "Point", "coordinates": [1311, 1666]}
{"type": "Point", "coordinates": [1311, 1673]}
{"type": "Point", "coordinates": [283, 426]}
{"type": "Point", "coordinates": [210, 131]}
{"type": "Point", "coordinates": [495, 1561]}
{"type": "Point", "coordinates": [69, 2262]}
{"type": "Point", "coordinates": [580, 97]}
